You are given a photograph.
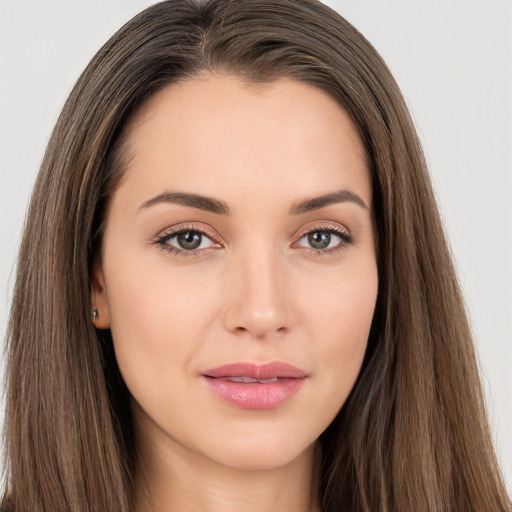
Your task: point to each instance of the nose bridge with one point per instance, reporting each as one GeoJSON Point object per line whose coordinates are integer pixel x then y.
{"type": "Point", "coordinates": [257, 304]}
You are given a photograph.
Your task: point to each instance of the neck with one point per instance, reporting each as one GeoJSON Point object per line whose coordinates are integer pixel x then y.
{"type": "Point", "coordinates": [171, 478]}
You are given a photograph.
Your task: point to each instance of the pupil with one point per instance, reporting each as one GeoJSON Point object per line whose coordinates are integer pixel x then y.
{"type": "Point", "coordinates": [189, 240]}
{"type": "Point", "coordinates": [319, 239]}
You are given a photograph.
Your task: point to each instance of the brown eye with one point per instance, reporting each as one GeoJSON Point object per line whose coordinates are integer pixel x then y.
{"type": "Point", "coordinates": [189, 240]}
{"type": "Point", "coordinates": [326, 241]}
{"type": "Point", "coordinates": [186, 241]}
{"type": "Point", "coordinates": [319, 239]}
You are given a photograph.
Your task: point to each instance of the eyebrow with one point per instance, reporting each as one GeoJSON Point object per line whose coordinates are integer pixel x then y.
{"type": "Point", "coordinates": [212, 205]}
{"type": "Point", "coordinates": [315, 203]}
{"type": "Point", "coordinates": [207, 204]}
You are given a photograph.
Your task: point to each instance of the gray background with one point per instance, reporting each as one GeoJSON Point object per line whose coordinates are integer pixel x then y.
{"type": "Point", "coordinates": [453, 60]}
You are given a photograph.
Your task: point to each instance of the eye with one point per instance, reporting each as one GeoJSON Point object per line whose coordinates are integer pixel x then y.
{"type": "Point", "coordinates": [321, 239]}
{"type": "Point", "coordinates": [186, 241]}
{"type": "Point", "coordinates": [325, 240]}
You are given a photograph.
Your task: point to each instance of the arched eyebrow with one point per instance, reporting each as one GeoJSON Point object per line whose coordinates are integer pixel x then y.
{"type": "Point", "coordinates": [207, 204]}
{"type": "Point", "coordinates": [315, 203]}
{"type": "Point", "coordinates": [212, 205]}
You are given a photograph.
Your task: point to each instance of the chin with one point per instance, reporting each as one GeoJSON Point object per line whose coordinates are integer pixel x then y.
{"type": "Point", "coordinates": [261, 451]}
{"type": "Point", "coordinates": [261, 459]}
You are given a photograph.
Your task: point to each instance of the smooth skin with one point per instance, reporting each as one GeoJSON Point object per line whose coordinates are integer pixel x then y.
{"type": "Point", "coordinates": [186, 286]}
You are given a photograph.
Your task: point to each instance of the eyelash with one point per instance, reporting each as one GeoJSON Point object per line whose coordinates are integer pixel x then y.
{"type": "Point", "coordinates": [162, 240]}
{"type": "Point", "coordinates": [345, 237]}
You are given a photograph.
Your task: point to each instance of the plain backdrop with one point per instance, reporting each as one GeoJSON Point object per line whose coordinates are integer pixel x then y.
{"type": "Point", "coordinates": [453, 61]}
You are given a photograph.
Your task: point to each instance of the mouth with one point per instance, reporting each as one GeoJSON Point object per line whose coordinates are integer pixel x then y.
{"type": "Point", "coordinates": [250, 380]}
{"type": "Point", "coordinates": [252, 386]}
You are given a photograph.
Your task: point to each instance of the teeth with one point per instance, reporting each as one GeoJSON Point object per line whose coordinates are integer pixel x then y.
{"type": "Point", "coordinates": [250, 380]}
{"type": "Point", "coordinates": [245, 380]}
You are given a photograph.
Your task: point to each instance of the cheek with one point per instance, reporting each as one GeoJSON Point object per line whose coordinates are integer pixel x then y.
{"type": "Point", "coordinates": [157, 319]}
{"type": "Point", "coordinates": [341, 304]}
{"type": "Point", "coordinates": [340, 317]}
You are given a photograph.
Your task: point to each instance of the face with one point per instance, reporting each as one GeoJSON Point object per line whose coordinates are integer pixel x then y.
{"type": "Point", "coordinates": [238, 272]}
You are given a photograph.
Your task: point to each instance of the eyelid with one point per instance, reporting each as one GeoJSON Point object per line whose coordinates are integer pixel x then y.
{"type": "Point", "coordinates": [337, 229]}
{"type": "Point", "coordinates": [322, 226]}
{"type": "Point", "coordinates": [164, 235]}
{"type": "Point", "coordinates": [188, 226]}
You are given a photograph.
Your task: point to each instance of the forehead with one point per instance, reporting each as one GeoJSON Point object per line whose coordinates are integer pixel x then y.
{"type": "Point", "coordinates": [220, 136]}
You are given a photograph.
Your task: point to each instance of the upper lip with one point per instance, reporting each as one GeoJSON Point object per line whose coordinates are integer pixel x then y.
{"type": "Point", "coordinates": [273, 370]}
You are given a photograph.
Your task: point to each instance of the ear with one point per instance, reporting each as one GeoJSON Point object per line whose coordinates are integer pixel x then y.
{"type": "Point", "coordinates": [99, 298]}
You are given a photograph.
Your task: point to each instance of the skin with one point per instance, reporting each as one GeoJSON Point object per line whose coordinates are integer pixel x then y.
{"type": "Point", "coordinates": [255, 290]}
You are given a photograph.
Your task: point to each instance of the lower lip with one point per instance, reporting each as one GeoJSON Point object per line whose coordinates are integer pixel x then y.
{"type": "Point", "coordinates": [268, 395]}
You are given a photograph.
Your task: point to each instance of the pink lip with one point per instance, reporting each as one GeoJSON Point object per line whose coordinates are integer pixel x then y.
{"type": "Point", "coordinates": [280, 382]}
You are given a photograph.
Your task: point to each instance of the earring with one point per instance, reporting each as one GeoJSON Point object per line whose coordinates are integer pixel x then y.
{"type": "Point", "coordinates": [95, 314]}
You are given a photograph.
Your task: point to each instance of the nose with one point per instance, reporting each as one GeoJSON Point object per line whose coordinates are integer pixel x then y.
{"type": "Point", "coordinates": [257, 302]}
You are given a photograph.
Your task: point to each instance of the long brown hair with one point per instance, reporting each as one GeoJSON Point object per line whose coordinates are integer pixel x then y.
{"type": "Point", "coordinates": [413, 435]}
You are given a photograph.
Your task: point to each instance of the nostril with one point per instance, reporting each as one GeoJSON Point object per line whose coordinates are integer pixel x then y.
{"type": "Point", "coordinates": [261, 333]}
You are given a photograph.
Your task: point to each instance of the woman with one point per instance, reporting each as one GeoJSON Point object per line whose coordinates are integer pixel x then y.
{"type": "Point", "coordinates": [234, 290]}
